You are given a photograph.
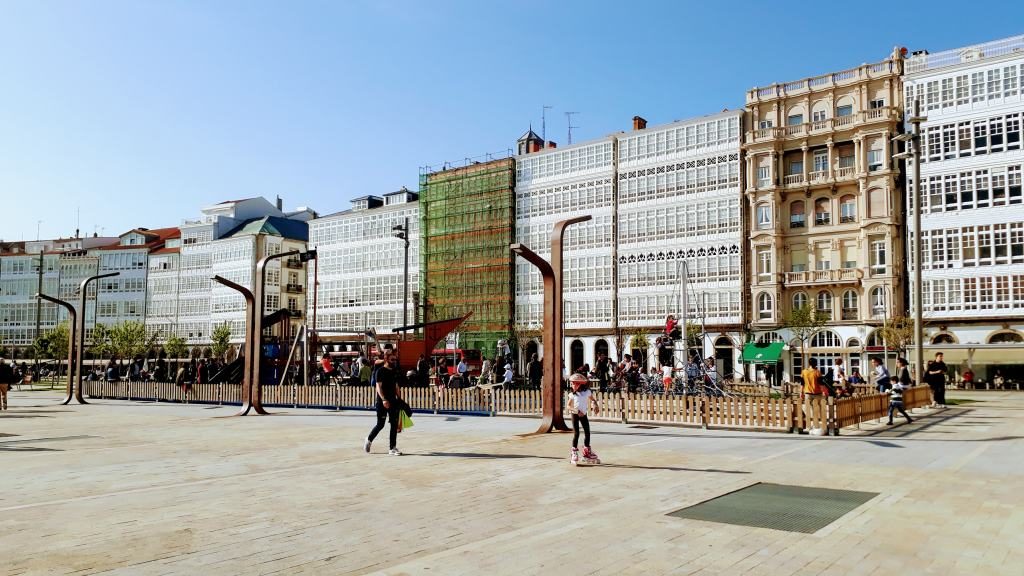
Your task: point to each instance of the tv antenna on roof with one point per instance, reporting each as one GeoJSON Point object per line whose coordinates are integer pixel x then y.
{"type": "Point", "coordinates": [544, 123]}
{"type": "Point", "coordinates": [568, 119]}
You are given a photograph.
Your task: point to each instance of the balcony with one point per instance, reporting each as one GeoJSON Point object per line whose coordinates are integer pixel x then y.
{"type": "Point", "coordinates": [824, 82]}
{"type": "Point", "coordinates": [823, 126]}
{"type": "Point", "coordinates": [875, 271]}
{"type": "Point", "coordinates": [821, 277]}
{"type": "Point", "coordinates": [293, 263]}
{"type": "Point", "coordinates": [850, 314]}
{"type": "Point", "coordinates": [293, 288]}
{"type": "Point", "coordinates": [845, 172]}
{"type": "Point", "coordinates": [295, 313]}
{"type": "Point", "coordinates": [819, 176]}
{"type": "Point", "coordinates": [793, 179]}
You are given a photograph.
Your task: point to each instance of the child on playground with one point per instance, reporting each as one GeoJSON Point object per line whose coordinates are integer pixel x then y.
{"type": "Point", "coordinates": [579, 403]}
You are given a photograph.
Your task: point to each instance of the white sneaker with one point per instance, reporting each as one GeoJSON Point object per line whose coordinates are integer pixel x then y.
{"type": "Point", "coordinates": [366, 446]}
{"type": "Point", "coordinates": [394, 452]}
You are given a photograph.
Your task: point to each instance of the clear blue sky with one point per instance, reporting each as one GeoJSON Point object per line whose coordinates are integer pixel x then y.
{"type": "Point", "coordinates": [139, 112]}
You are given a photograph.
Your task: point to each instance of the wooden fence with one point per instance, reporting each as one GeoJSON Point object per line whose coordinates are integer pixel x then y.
{"type": "Point", "coordinates": [754, 412]}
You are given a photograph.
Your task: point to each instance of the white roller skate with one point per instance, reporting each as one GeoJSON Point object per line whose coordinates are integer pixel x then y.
{"type": "Point", "coordinates": [574, 457]}
{"type": "Point", "coordinates": [589, 456]}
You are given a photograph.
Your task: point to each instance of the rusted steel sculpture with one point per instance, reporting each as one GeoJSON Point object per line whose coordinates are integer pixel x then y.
{"type": "Point", "coordinates": [251, 351]}
{"type": "Point", "coordinates": [551, 383]}
{"type": "Point", "coordinates": [79, 331]}
{"type": "Point", "coordinates": [71, 343]}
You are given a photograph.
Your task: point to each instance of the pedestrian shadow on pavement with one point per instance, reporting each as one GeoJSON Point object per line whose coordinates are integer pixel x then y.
{"type": "Point", "coordinates": [485, 456]}
{"type": "Point", "coordinates": [21, 415]}
{"type": "Point", "coordinates": [27, 449]}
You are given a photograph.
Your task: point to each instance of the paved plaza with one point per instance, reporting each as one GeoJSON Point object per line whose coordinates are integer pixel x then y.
{"type": "Point", "coordinates": [156, 488]}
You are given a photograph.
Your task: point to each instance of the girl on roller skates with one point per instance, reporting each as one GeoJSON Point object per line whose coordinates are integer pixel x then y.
{"type": "Point", "coordinates": [579, 403]}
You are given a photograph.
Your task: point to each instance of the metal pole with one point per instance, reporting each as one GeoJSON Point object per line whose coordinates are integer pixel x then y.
{"type": "Point", "coordinates": [316, 286]}
{"type": "Point", "coordinates": [80, 331]}
{"type": "Point", "coordinates": [405, 289]}
{"type": "Point", "coordinates": [39, 304]}
{"type": "Point", "coordinates": [918, 332]}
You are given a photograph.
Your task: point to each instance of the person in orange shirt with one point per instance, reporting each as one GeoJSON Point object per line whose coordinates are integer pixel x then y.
{"type": "Point", "coordinates": [814, 399]}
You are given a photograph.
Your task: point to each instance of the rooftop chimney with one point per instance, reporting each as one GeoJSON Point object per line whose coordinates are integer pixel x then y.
{"type": "Point", "coordinates": [535, 146]}
{"type": "Point", "coordinates": [552, 144]}
{"type": "Point", "coordinates": [280, 204]}
{"type": "Point", "coordinates": [639, 123]}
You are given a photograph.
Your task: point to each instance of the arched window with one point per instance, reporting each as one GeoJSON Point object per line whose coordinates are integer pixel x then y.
{"type": "Point", "coordinates": [576, 354]}
{"type": "Point", "coordinates": [769, 337]}
{"type": "Point", "coordinates": [879, 304]}
{"type": "Point", "coordinates": [764, 216]}
{"type": "Point", "coordinates": [851, 305]}
{"type": "Point", "coordinates": [876, 203]}
{"type": "Point", "coordinates": [819, 111]}
{"type": "Point", "coordinates": [826, 339]}
{"type": "Point", "coordinates": [853, 343]}
{"type": "Point", "coordinates": [797, 214]}
{"type": "Point", "coordinates": [825, 303]}
{"type": "Point", "coordinates": [943, 339]}
{"type": "Point", "coordinates": [765, 306]}
{"type": "Point", "coordinates": [799, 300]}
{"type": "Point", "coordinates": [1006, 338]}
{"type": "Point", "coordinates": [822, 212]}
{"type": "Point", "coordinates": [847, 209]}
{"type": "Point", "coordinates": [795, 117]}
{"type": "Point", "coordinates": [600, 347]}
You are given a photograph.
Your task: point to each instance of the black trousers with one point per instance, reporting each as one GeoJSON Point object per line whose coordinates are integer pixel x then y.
{"type": "Point", "coordinates": [938, 392]}
{"type": "Point", "coordinates": [384, 414]}
{"type": "Point", "coordinates": [577, 421]}
{"type": "Point", "coordinates": [894, 406]}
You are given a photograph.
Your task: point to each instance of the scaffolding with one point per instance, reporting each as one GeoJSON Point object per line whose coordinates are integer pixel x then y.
{"type": "Point", "coordinates": [467, 223]}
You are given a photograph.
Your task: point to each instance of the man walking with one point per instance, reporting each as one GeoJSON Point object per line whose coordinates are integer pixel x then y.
{"type": "Point", "coordinates": [814, 399]}
{"type": "Point", "coordinates": [387, 404]}
{"type": "Point", "coordinates": [534, 371]}
{"type": "Point", "coordinates": [7, 380]}
{"type": "Point", "coordinates": [936, 378]}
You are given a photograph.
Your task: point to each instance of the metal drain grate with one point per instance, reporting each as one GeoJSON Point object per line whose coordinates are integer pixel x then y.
{"type": "Point", "coordinates": [778, 506]}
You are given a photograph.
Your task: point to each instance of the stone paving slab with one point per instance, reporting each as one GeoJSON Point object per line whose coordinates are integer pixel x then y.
{"type": "Point", "coordinates": [156, 488]}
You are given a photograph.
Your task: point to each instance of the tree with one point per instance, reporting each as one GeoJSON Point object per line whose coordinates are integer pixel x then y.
{"type": "Point", "coordinates": [99, 342]}
{"type": "Point", "coordinates": [805, 322]}
{"type": "Point", "coordinates": [128, 339]}
{"type": "Point", "coordinates": [221, 340]}
{"type": "Point", "coordinates": [898, 333]}
{"type": "Point", "coordinates": [59, 343]}
{"type": "Point", "coordinates": [175, 347]}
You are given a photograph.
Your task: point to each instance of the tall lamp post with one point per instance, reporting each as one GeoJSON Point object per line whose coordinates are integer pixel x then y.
{"type": "Point", "coordinates": [80, 331]}
{"type": "Point", "coordinates": [402, 233]}
{"type": "Point", "coordinates": [913, 140]}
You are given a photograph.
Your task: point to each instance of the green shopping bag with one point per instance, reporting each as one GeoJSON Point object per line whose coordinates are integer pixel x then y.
{"type": "Point", "coordinates": [406, 420]}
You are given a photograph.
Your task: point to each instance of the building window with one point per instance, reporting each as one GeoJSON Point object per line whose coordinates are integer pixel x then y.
{"type": "Point", "coordinates": [847, 209]}
{"type": "Point", "coordinates": [799, 300]}
{"type": "Point", "coordinates": [819, 116]}
{"type": "Point", "coordinates": [877, 103]}
{"type": "Point", "coordinates": [764, 216]}
{"type": "Point", "coordinates": [798, 259]}
{"type": "Point", "coordinates": [878, 257]}
{"type": "Point", "coordinates": [797, 218]}
{"type": "Point", "coordinates": [765, 306]}
{"type": "Point", "coordinates": [795, 120]}
{"type": "Point", "coordinates": [850, 305]}
{"type": "Point", "coordinates": [796, 167]}
{"type": "Point", "coordinates": [844, 110]}
{"type": "Point", "coordinates": [826, 339]}
{"type": "Point", "coordinates": [875, 162]}
{"type": "Point", "coordinates": [878, 302]}
{"type": "Point", "coordinates": [822, 213]}
{"type": "Point", "coordinates": [764, 264]}
{"type": "Point", "coordinates": [822, 257]}
{"type": "Point", "coordinates": [763, 176]}
{"type": "Point", "coordinates": [764, 124]}
{"type": "Point", "coordinates": [825, 303]}
{"type": "Point", "coordinates": [821, 161]}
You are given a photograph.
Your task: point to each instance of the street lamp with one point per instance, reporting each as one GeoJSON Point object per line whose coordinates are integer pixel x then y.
{"type": "Point", "coordinates": [401, 232]}
{"type": "Point", "coordinates": [913, 139]}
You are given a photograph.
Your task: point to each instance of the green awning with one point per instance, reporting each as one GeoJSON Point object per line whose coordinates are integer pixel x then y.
{"type": "Point", "coordinates": [762, 353]}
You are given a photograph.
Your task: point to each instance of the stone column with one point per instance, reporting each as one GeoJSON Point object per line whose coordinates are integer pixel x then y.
{"type": "Point", "coordinates": [830, 159]}
{"type": "Point", "coordinates": [806, 171]}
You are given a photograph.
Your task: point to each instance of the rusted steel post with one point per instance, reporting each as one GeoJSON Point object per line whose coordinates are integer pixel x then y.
{"type": "Point", "coordinates": [554, 328]}
{"type": "Point", "coordinates": [80, 332]}
{"type": "Point", "coordinates": [251, 350]}
{"type": "Point", "coordinates": [260, 280]}
{"type": "Point", "coordinates": [71, 342]}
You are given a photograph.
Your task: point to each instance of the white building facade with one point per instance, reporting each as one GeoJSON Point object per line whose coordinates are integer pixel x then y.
{"type": "Point", "coordinates": [972, 207]}
{"type": "Point", "coordinates": [361, 263]}
{"type": "Point", "coordinates": [658, 197]}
